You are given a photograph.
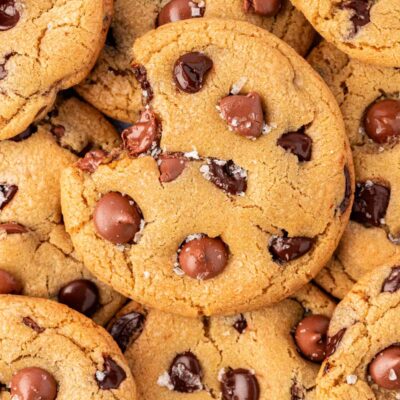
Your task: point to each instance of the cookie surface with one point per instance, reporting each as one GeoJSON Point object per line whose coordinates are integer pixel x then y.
{"type": "Point", "coordinates": [364, 29]}
{"type": "Point", "coordinates": [262, 343]}
{"type": "Point", "coordinates": [37, 40]}
{"type": "Point", "coordinates": [34, 247]}
{"type": "Point", "coordinates": [111, 86]}
{"type": "Point", "coordinates": [237, 214]}
{"type": "Point", "coordinates": [50, 351]}
{"type": "Point", "coordinates": [365, 360]}
{"type": "Point", "coordinates": [361, 90]}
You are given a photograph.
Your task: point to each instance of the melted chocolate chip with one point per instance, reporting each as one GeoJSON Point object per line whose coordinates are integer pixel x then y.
{"type": "Point", "coordinates": [126, 329]}
{"type": "Point", "coordinates": [334, 341]}
{"type": "Point", "coordinates": [360, 12]}
{"type": "Point", "coordinates": [285, 249]}
{"type": "Point", "coordinates": [33, 384]}
{"type": "Point", "coordinates": [297, 392]}
{"type": "Point", "coordinates": [3, 71]}
{"type": "Point", "coordinates": [240, 324]}
{"type": "Point", "coordinates": [347, 191]}
{"type": "Point", "coordinates": [58, 131]}
{"type": "Point", "coordinates": [27, 133]}
{"type": "Point", "coordinates": [13, 228]}
{"type": "Point", "coordinates": [190, 71]}
{"type": "Point", "coordinates": [226, 175]}
{"type": "Point", "coordinates": [297, 143]}
{"type": "Point", "coordinates": [392, 282]}
{"type": "Point", "coordinates": [266, 8]}
{"type": "Point", "coordinates": [177, 10]}
{"type": "Point", "coordinates": [170, 166]}
{"type": "Point", "coordinates": [385, 368]}
{"type": "Point", "coordinates": [92, 160]}
{"type": "Point", "coordinates": [30, 323]}
{"type": "Point", "coordinates": [112, 375]}
{"type": "Point", "coordinates": [370, 203]}
{"type": "Point", "coordinates": [239, 384]}
{"type": "Point", "coordinates": [9, 15]}
{"type": "Point", "coordinates": [7, 192]}
{"type": "Point", "coordinates": [141, 76]}
{"type": "Point", "coordinates": [185, 373]}
{"type": "Point", "coordinates": [9, 284]}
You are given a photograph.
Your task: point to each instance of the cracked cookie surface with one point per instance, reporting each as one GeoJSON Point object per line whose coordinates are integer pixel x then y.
{"type": "Point", "coordinates": [247, 217]}
{"type": "Point", "coordinates": [50, 351]}
{"type": "Point", "coordinates": [111, 86]}
{"type": "Point", "coordinates": [260, 342]}
{"type": "Point", "coordinates": [34, 247]}
{"type": "Point", "coordinates": [366, 243]}
{"type": "Point", "coordinates": [36, 48]}
{"type": "Point", "coordinates": [368, 30]}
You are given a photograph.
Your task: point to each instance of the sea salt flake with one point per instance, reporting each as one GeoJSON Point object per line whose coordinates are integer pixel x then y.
{"type": "Point", "coordinates": [392, 375]}
{"type": "Point", "coordinates": [351, 379]}
{"type": "Point", "coordinates": [192, 154]}
{"type": "Point", "coordinates": [164, 380]}
{"type": "Point", "coordinates": [100, 376]}
{"type": "Point", "coordinates": [221, 374]}
{"type": "Point", "coordinates": [238, 86]}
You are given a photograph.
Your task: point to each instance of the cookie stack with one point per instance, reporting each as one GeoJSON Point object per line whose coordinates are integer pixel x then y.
{"type": "Point", "coordinates": [184, 201]}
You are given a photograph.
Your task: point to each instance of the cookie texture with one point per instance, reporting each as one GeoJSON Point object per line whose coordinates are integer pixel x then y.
{"type": "Point", "coordinates": [111, 86]}
{"type": "Point", "coordinates": [34, 247]}
{"type": "Point", "coordinates": [366, 332]}
{"type": "Point", "coordinates": [367, 242]}
{"type": "Point", "coordinates": [49, 351]}
{"type": "Point", "coordinates": [36, 48]}
{"type": "Point", "coordinates": [244, 217]}
{"type": "Point", "coordinates": [367, 30]}
{"type": "Point", "coordinates": [261, 343]}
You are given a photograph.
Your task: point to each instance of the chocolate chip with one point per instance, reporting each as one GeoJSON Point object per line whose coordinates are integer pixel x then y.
{"type": "Point", "coordinates": [385, 368]}
{"type": "Point", "coordinates": [240, 324]}
{"type": "Point", "coordinates": [334, 341]}
{"type": "Point", "coordinates": [311, 337]}
{"type": "Point", "coordinates": [30, 323]}
{"type": "Point", "coordinates": [3, 71]}
{"type": "Point", "coordinates": [92, 160]}
{"type": "Point", "coordinates": [141, 76]}
{"type": "Point", "coordinates": [170, 166]}
{"type": "Point", "coordinates": [120, 126]}
{"type": "Point", "coordinates": [177, 10]}
{"type": "Point", "coordinates": [142, 136]}
{"type": "Point", "coordinates": [370, 203]}
{"type": "Point", "coordinates": [117, 218]}
{"type": "Point", "coordinates": [112, 375]}
{"type": "Point", "coordinates": [190, 70]}
{"type": "Point", "coordinates": [297, 392]}
{"type": "Point", "coordinates": [185, 373]}
{"type": "Point", "coordinates": [360, 12]}
{"type": "Point", "coordinates": [203, 258]}
{"type": "Point", "coordinates": [239, 384]}
{"type": "Point", "coordinates": [266, 8]}
{"type": "Point", "coordinates": [284, 249]}
{"type": "Point", "coordinates": [33, 384]}
{"type": "Point", "coordinates": [392, 282]}
{"type": "Point", "coordinates": [243, 113]}
{"type": "Point", "coordinates": [297, 143]}
{"type": "Point", "coordinates": [58, 131]}
{"type": "Point", "coordinates": [347, 191]}
{"type": "Point", "coordinates": [126, 329]}
{"type": "Point", "coordinates": [27, 133]}
{"type": "Point", "coordinates": [81, 295]}
{"type": "Point", "coordinates": [7, 192]}
{"type": "Point", "coordinates": [226, 175]}
{"type": "Point", "coordinates": [9, 284]}
{"type": "Point", "coordinates": [382, 120]}
{"type": "Point", "coordinates": [13, 228]}
{"type": "Point", "coordinates": [9, 15]}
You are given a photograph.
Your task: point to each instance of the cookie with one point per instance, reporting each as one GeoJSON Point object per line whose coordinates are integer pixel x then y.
{"type": "Point", "coordinates": [369, 100]}
{"type": "Point", "coordinates": [216, 193]}
{"type": "Point", "coordinates": [112, 88]}
{"type": "Point", "coordinates": [366, 30]}
{"type": "Point", "coordinates": [37, 257]}
{"type": "Point", "coordinates": [204, 357]}
{"type": "Point", "coordinates": [364, 354]}
{"type": "Point", "coordinates": [45, 47]}
{"type": "Point", "coordinates": [48, 351]}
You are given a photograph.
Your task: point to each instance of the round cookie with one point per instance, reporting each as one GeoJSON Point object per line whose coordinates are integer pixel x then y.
{"type": "Point", "coordinates": [238, 207]}
{"type": "Point", "coordinates": [37, 41]}
{"type": "Point", "coordinates": [48, 351]}
{"type": "Point", "coordinates": [263, 343]}
{"type": "Point", "coordinates": [111, 86]}
{"type": "Point", "coordinates": [367, 30]}
{"type": "Point", "coordinates": [363, 356]}
{"type": "Point", "coordinates": [369, 100]}
{"type": "Point", "coordinates": [35, 251]}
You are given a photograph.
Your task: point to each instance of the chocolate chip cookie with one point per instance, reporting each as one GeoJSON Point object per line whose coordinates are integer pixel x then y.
{"type": "Point", "coordinates": [112, 87]}
{"type": "Point", "coordinates": [37, 257]}
{"type": "Point", "coordinates": [369, 99]}
{"type": "Point", "coordinates": [364, 354]}
{"type": "Point", "coordinates": [45, 47]}
{"type": "Point", "coordinates": [368, 30]}
{"type": "Point", "coordinates": [216, 204]}
{"type": "Point", "coordinates": [50, 352]}
{"type": "Point", "coordinates": [274, 353]}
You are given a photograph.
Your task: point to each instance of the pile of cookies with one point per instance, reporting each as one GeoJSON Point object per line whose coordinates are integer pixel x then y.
{"type": "Point", "coordinates": [199, 199]}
